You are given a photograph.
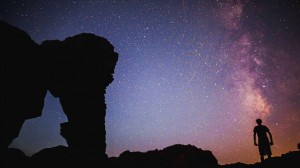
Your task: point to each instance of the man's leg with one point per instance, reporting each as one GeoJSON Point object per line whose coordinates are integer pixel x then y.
{"type": "Point", "coordinates": [262, 158]}
{"type": "Point", "coordinates": [268, 151]}
{"type": "Point", "coordinates": [261, 152]}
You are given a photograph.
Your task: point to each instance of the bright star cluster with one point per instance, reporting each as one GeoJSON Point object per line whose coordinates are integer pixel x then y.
{"type": "Point", "coordinates": [189, 72]}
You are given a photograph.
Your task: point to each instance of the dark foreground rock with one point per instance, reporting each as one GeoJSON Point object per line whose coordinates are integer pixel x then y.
{"type": "Point", "coordinates": [176, 156]}
{"type": "Point", "coordinates": [79, 70]}
{"type": "Point", "coordinates": [76, 70]}
{"type": "Point", "coordinates": [23, 86]}
{"type": "Point", "coordinates": [288, 160]}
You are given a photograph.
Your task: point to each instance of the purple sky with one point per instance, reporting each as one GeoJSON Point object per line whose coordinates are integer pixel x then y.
{"type": "Point", "coordinates": [189, 72]}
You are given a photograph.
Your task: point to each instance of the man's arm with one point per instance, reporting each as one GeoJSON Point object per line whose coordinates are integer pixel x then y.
{"type": "Point", "coordinates": [271, 139]}
{"type": "Point", "coordinates": [254, 138]}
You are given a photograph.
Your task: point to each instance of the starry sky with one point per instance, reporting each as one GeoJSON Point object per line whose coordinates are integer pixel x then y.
{"type": "Point", "coordinates": [189, 72]}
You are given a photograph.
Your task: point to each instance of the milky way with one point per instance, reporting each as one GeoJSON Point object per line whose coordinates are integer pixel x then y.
{"type": "Point", "coordinates": [189, 72]}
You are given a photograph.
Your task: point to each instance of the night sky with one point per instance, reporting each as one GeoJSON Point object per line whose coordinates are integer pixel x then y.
{"type": "Point", "coordinates": [189, 72]}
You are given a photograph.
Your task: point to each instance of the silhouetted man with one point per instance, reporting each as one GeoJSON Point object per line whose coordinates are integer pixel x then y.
{"type": "Point", "coordinates": [263, 141]}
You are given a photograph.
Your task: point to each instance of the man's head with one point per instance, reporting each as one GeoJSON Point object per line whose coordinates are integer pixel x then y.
{"type": "Point", "coordinates": [258, 121]}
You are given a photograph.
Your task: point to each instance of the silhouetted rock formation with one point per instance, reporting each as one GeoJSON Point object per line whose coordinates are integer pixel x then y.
{"type": "Point", "coordinates": [290, 160]}
{"type": "Point", "coordinates": [236, 165]}
{"type": "Point", "coordinates": [13, 158]}
{"type": "Point", "coordinates": [80, 69]}
{"type": "Point", "coordinates": [76, 70]}
{"type": "Point", "coordinates": [176, 156]}
{"type": "Point", "coordinates": [53, 157]}
{"type": "Point", "coordinates": [22, 82]}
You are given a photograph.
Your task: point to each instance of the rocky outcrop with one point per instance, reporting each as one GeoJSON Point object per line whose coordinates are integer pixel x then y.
{"type": "Point", "coordinates": [76, 70]}
{"type": "Point", "coordinates": [23, 85]}
{"type": "Point", "coordinates": [14, 158]}
{"type": "Point", "coordinates": [176, 156]}
{"type": "Point", "coordinates": [53, 157]}
{"type": "Point", "coordinates": [79, 70]}
{"type": "Point", "coordinates": [290, 160]}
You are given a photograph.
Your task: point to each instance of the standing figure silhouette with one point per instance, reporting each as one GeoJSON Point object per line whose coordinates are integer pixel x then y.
{"type": "Point", "coordinates": [263, 142]}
